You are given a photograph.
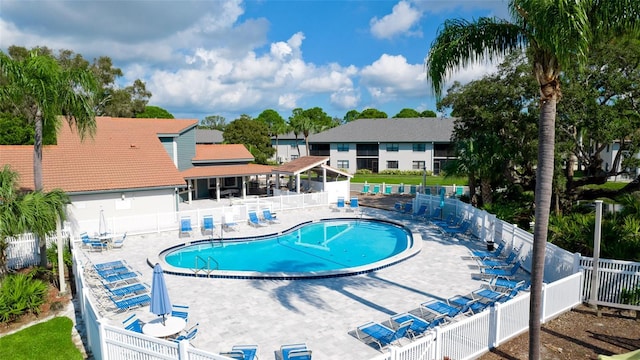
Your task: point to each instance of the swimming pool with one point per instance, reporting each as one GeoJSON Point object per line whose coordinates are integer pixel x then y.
{"type": "Point", "coordinates": [331, 247]}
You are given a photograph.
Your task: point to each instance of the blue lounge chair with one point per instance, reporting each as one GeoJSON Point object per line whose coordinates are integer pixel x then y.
{"type": "Point", "coordinates": [383, 336]}
{"type": "Point", "coordinates": [122, 278]}
{"type": "Point", "coordinates": [269, 217]}
{"type": "Point", "coordinates": [207, 224]}
{"type": "Point", "coordinates": [242, 352]}
{"type": "Point", "coordinates": [132, 323]}
{"type": "Point", "coordinates": [508, 285]}
{"type": "Point", "coordinates": [397, 206]}
{"type": "Point", "coordinates": [439, 310]}
{"type": "Point", "coordinates": [413, 189]}
{"type": "Point", "coordinates": [376, 190]}
{"type": "Point", "coordinates": [185, 226]}
{"type": "Point", "coordinates": [408, 207]}
{"type": "Point", "coordinates": [388, 190]}
{"type": "Point", "coordinates": [436, 214]}
{"type": "Point", "coordinates": [462, 229]}
{"type": "Point", "coordinates": [501, 272]}
{"type": "Point", "coordinates": [418, 325]}
{"type": "Point", "coordinates": [340, 203]}
{"type": "Point", "coordinates": [482, 254]}
{"type": "Point", "coordinates": [109, 265]}
{"type": "Point", "coordinates": [499, 263]}
{"type": "Point", "coordinates": [353, 204]}
{"type": "Point", "coordinates": [450, 220]}
{"type": "Point", "coordinates": [295, 351]}
{"type": "Point", "coordinates": [459, 191]}
{"type": "Point", "coordinates": [401, 189]}
{"type": "Point", "coordinates": [181, 311]}
{"type": "Point", "coordinates": [495, 296]}
{"type": "Point", "coordinates": [468, 303]}
{"type": "Point", "coordinates": [189, 334]}
{"type": "Point", "coordinates": [118, 243]}
{"type": "Point", "coordinates": [127, 290]}
{"type": "Point", "coordinates": [365, 189]}
{"type": "Point", "coordinates": [130, 303]}
{"type": "Point", "coordinates": [422, 211]}
{"type": "Point", "coordinates": [254, 220]}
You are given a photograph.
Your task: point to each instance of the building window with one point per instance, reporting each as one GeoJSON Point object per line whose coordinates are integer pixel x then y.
{"type": "Point", "coordinates": [392, 164]}
{"type": "Point", "coordinates": [420, 147]}
{"type": "Point", "coordinates": [293, 157]}
{"type": "Point", "coordinates": [343, 147]}
{"type": "Point", "coordinates": [212, 183]}
{"type": "Point", "coordinates": [392, 147]}
{"type": "Point", "coordinates": [343, 164]}
{"type": "Point", "coordinates": [417, 165]}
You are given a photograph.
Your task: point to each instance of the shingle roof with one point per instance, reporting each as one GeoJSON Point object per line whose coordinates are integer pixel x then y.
{"type": "Point", "coordinates": [389, 130]}
{"type": "Point", "coordinates": [222, 152]}
{"type": "Point", "coordinates": [208, 136]}
{"type": "Point", "coordinates": [123, 154]}
{"type": "Point", "coordinates": [225, 171]}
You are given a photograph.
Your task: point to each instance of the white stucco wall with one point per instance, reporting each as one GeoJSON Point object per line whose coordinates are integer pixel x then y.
{"type": "Point", "coordinates": [84, 210]}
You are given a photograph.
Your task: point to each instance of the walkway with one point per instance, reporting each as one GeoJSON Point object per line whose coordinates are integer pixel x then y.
{"type": "Point", "coordinates": [319, 312]}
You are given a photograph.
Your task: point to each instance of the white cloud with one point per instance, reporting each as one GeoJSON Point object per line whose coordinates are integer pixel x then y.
{"type": "Point", "coordinates": [345, 99]}
{"type": "Point", "coordinates": [402, 18]}
{"type": "Point", "coordinates": [391, 76]}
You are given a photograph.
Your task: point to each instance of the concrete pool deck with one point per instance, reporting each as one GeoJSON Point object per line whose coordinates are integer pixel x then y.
{"type": "Point", "coordinates": [318, 312]}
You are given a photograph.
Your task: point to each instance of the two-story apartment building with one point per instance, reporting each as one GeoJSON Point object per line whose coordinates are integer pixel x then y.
{"type": "Point", "coordinates": [387, 144]}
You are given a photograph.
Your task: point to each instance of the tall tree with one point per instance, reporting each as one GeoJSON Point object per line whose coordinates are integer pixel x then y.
{"type": "Point", "coordinates": [351, 115]}
{"type": "Point", "coordinates": [275, 123]}
{"type": "Point", "coordinates": [372, 113]}
{"type": "Point", "coordinates": [428, 114]}
{"type": "Point", "coordinates": [253, 134]}
{"type": "Point", "coordinates": [213, 122]}
{"type": "Point", "coordinates": [39, 84]}
{"type": "Point", "coordinates": [558, 35]}
{"type": "Point", "coordinates": [407, 113]}
{"type": "Point", "coordinates": [154, 112]}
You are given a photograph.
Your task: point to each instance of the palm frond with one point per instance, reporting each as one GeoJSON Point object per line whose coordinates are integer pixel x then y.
{"type": "Point", "coordinates": [460, 43]}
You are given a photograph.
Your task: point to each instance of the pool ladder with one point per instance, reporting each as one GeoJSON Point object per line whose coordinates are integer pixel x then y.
{"type": "Point", "coordinates": [206, 265]}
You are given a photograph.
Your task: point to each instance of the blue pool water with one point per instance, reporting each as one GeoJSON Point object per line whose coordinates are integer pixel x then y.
{"type": "Point", "coordinates": [327, 245]}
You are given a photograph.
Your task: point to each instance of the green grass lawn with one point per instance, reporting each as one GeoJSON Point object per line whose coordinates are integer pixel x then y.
{"type": "Point", "coordinates": [408, 179]}
{"type": "Point", "coordinates": [47, 340]}
{"type": "Point", "coordinates": [610, 185]}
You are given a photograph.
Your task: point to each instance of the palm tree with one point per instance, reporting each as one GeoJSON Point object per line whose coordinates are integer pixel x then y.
{"type": "Point", "coordinates": [42, 91]}
{"type": "Point", "coordinates": [557, 35]}
{"type": "Point", "coordinates": [35, 212]}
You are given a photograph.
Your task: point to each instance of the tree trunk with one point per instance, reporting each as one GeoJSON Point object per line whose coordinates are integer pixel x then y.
{"type": "Point", "coordinates": [544, 180]}
{"type": "Point", "coordinates": [485, 190]}
{"type": "Point", "coordinates": [37, 177]}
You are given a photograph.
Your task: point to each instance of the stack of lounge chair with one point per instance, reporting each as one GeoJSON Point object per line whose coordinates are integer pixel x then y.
{"type": "Point", "coordinates": [118, 286]}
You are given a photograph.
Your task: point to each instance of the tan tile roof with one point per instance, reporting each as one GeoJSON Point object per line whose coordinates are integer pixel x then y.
{"type": "Point", "coordinates": [123, 154]}
{"type": "Point", "coordinates": [226, 170]}
{"type": "Point", "coordinates": [301, 164]}
{"type": "Point", "coordinates": [222, 152]}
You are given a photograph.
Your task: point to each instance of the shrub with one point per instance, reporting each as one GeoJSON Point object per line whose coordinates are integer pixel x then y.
{"type": "Point", "coordinates": [630, 296]}
{"type": "Point", "coordinates": [364, 172]}
{"type": "Point", "coordinates": [20, 294]}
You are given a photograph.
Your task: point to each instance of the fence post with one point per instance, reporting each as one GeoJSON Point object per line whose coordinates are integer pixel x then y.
{"type": "Point", "coordinates": [437, 340]}
{"type": "Point", "coordinates": [576, 262]}
{"type": "Point", "coordinates": [102, 340]}
{"type": "Point", "coordinates": [494, 325]}
{"type": "Point", "coordinates": [593, 298]}
{"type": "Point", "coordinates": [183, 346]}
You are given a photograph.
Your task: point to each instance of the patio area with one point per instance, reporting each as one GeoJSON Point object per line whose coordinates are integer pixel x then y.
{"type": "Point", "coordinates": [318, 312]}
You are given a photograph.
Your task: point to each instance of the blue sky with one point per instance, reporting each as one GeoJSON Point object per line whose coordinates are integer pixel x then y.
{"type": "Point", "coordinates": [233, 57]}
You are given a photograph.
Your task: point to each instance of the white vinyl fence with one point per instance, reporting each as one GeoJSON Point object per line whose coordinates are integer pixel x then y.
{"type": "Point", "coordinates": [466, 338]}
{"type": "Point", "coordinates": [614, 278]}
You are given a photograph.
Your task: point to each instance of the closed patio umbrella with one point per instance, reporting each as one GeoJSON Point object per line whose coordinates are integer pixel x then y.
{"type": "Point", "coordinates": [442, 191]}
{"type": "Point", "coordinates": [102, 227]}
{"type": "Point", "coordinates": [160, 303]}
